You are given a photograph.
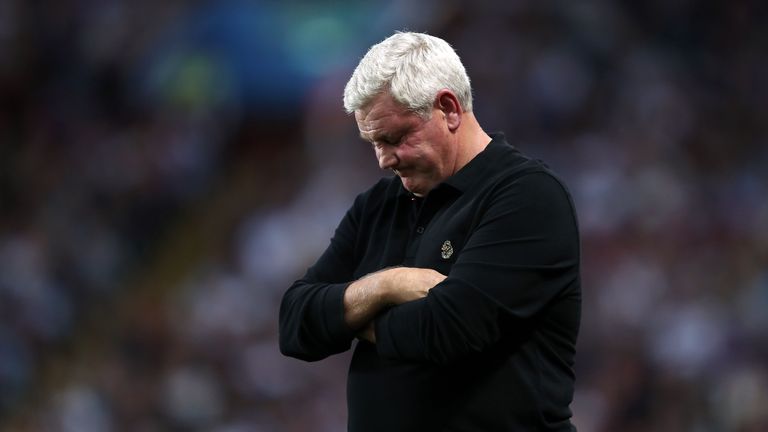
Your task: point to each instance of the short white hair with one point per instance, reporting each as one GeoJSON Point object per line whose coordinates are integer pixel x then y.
{"type": "Point", "coordinates": [413, 67]}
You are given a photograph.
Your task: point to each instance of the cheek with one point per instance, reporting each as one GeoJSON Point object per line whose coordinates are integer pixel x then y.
{"type": "Point", "coordinates": [407, 154]}
{"type": "Point", "coordinates": [423, 158]}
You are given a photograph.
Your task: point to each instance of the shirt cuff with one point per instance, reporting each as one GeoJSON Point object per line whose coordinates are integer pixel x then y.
{"type": "Point", "coordinates": [333, 301]}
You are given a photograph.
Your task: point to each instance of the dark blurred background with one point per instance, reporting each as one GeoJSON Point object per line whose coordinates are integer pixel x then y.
{"type": "Point", "coordinates": [168, 168]}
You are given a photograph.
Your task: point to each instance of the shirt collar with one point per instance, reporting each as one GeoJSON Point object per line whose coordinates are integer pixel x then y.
{"type": "Point", "coordinates": [472, 171]}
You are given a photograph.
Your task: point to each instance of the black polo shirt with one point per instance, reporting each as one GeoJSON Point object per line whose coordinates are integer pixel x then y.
{"type": "Point", "coordinates": [490, 348]}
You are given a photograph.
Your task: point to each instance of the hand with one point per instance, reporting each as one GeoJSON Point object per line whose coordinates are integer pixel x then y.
{"type": "Point", "coordinates": [368, 333]}
{"type": "Point", "coordinates": [406, 284]}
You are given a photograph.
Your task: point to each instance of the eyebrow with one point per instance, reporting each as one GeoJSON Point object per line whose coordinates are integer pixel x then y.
{"type": "Point", "coordinates": [387, 137]}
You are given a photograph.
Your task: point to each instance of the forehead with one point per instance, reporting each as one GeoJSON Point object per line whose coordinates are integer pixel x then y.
{"type": "Point", "coordinates": [383, 114]}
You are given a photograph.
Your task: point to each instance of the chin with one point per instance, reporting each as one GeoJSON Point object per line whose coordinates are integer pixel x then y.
{"type": "Point", "coordinates": [418, 183]}
{"type": "Point", "coordinates": [416, 189]}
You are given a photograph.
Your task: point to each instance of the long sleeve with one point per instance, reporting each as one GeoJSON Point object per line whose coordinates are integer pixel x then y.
{"type": "Point", "coordinates": [522, 256]}
{"type": "Point", "coordinates": [312, 324]}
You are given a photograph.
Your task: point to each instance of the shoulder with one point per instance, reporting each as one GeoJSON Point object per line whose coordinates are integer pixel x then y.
{"type": "Point", "coordinates": [517, 179]}
{"type": "Point", "coordinates": [385, 187]}
{"type": "Point", "coordinates": [513, 166]}
{"type": "Point", "coordinates": [380, 193]}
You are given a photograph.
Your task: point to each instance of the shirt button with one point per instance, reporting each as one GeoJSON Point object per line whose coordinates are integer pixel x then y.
{"type": "Point", "coordinates": [420, 230]}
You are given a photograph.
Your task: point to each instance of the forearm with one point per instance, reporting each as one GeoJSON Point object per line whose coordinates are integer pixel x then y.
{"type": "Point", "coordinates": [311, 321]}
{"type": "Point", "coordinates": [365, 298]}
{"type": "Point", "coordinates": [453, 322]}
{"type": "Point", "coordinates": [320, 319]}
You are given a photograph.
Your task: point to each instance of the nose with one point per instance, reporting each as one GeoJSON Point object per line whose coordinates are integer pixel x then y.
{"type": "Point", "coordinates": [387, 157]}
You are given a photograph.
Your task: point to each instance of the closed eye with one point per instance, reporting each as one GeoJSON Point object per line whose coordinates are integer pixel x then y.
{"type": "Point", "coordinates": [392, 141]}
{"type": "Point", "coordinates": [380, 142]}
{"type": "Point", "coordinates": [386, 140]}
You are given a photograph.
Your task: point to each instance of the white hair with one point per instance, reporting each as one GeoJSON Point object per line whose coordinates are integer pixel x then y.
{"type": "Point", "coordinates": [413, 67]}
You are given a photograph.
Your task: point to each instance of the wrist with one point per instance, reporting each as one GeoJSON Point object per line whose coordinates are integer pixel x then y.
{"type": "Point", "coordinates": [387, 286]}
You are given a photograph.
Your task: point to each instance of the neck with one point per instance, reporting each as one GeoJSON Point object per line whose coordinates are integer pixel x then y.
{"type": "Point", "coordinates": [472, 139]}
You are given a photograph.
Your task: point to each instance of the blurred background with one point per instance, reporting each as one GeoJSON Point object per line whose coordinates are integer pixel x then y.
{"type": "Point", "coordinates": [167, 169]}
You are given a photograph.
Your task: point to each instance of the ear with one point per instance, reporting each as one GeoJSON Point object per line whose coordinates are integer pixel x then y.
{"type": "Point", "coordinates": [448, 104]}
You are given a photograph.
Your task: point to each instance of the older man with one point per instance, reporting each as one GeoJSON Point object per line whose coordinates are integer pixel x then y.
{"type": "Point", "coordinates": [459, 276]}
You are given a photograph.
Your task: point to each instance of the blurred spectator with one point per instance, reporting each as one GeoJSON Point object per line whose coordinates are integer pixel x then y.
{"type": "Point", "coordinates": [125, 125]}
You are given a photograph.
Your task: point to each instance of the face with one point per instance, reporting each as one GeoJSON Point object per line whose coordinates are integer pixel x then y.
{"type": "Point", "coordinates": [421, 152]}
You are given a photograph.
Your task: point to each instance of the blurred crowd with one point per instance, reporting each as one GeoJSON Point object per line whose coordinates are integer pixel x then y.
{"type": "Point", "coordinates": [167, 169]}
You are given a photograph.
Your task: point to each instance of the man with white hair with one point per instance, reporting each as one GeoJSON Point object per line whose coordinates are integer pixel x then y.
{"type": "Point", "coordinates": [459, 275]}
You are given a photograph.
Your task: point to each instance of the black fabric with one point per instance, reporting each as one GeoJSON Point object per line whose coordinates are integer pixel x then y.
{"type": "Point", "coordinates": [491, 348]}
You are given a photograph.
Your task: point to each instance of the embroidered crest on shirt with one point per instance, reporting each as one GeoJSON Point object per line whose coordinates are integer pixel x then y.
{"type": "Point", "coordinates": [447, 250]}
